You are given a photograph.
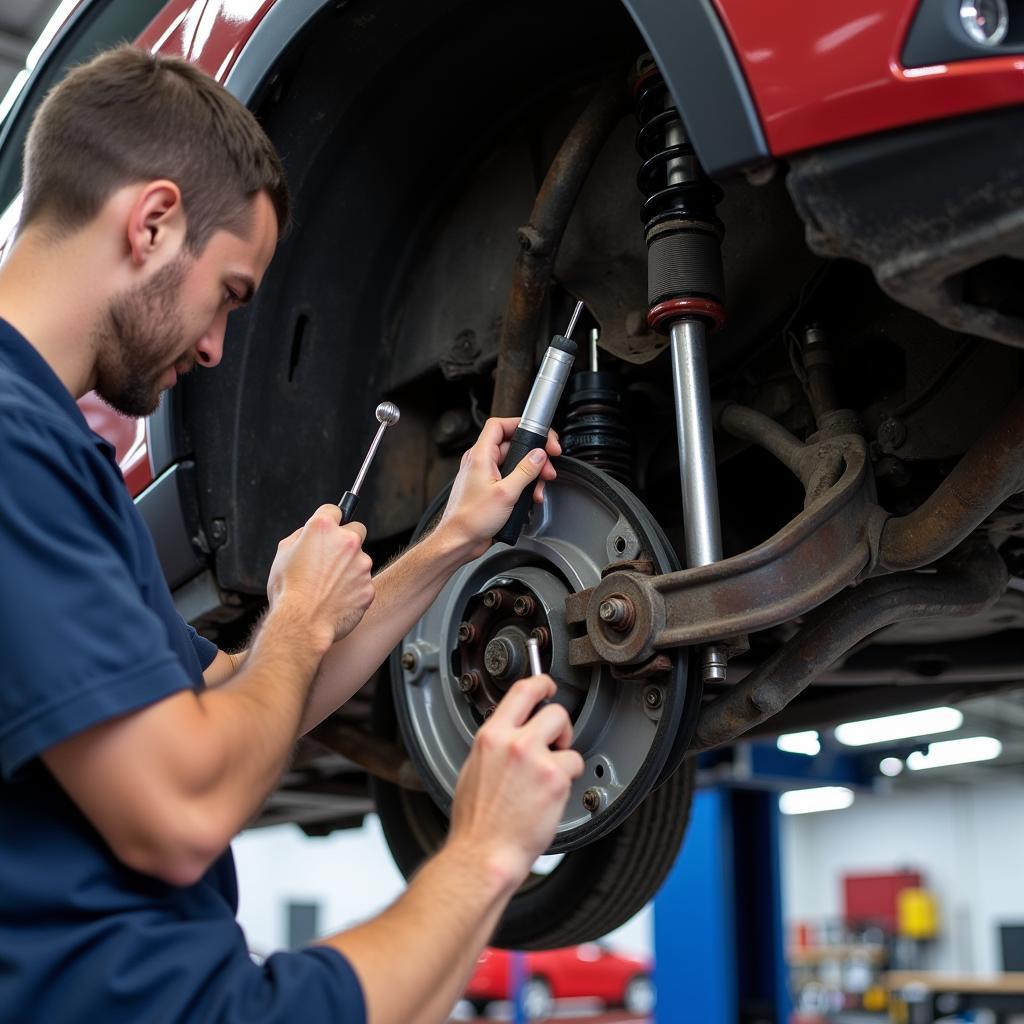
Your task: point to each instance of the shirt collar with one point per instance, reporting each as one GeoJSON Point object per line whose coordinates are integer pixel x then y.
{"type": "Point", "coordinates": [23, 359]}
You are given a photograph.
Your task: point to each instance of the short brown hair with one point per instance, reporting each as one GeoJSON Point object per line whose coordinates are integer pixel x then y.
{"type": "Point", "coordinates": [129, 116]}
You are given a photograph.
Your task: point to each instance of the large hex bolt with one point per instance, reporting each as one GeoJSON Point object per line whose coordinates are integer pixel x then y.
{"type": "Point", "coordinates": [467, 632]}
{"type": "Point", "coordinates": [618, 613]}
{"type": "Point", "coordinates": [523, 606]}
{"type": "Point", "coordinates": [492, 599]}
{"type": "Point", "coordinates": [542, 635]}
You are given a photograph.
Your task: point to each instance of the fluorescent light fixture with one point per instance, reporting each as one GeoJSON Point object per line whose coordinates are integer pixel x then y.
{"type": "Point", "coordinates": [800, 743]}
{"type": "Point", "coordinates": [807, 801]}
{"type": "Point", "coordinates": [891, 766]}
{"type": "Point", "coordinates": [899, 727]}
{"type": "Point", "coordinates": [963, 751]}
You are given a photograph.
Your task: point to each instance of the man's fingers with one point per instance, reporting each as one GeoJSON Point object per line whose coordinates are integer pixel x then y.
{"type": "Point", "coordinates": [526, 471]}
{"type": "Point", "coordinates": [553, 446]}
{"type": "Point", "coordinates": [570, 762]}
{"type": "Point", "coordinates": [359, 529]}
{"type": "Point", "coordinates": [550, 726]}
{"type": "Point", "coordinates": [518, 704]}
{"type": "Point", "coordinates": [331, 513]}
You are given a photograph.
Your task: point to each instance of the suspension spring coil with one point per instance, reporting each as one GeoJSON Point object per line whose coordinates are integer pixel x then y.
{"type": "Point", "coordinates": [683, 232]}
{"type": "Point", "coordinates": [595, 428]}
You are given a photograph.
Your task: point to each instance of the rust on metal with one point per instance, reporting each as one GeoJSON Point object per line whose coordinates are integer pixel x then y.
{"type": "Point", "coordinates": [377, 756]}
{"type": "Point", "coordinates": [986, 475]}
{"type": "Point", "coordinates": [539, 242]}
{"type": "Point", "coordinates": [972, 579]}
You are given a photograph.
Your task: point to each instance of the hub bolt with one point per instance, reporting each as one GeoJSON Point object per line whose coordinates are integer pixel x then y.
{"type": "Point", "coordinates": [592, 799]}
{"type": "Point", "coordinates": [542, 635]}
{"type": "Point", "coordinates": [492, 599]}
{"type": "Point", "coordinates": [618, 613]}
{"type": "Point", "coordinates": [523, 605]}
{"type": "Point", "coordinates": [469, 682]}
{"type": "Point", "coordinates": [499, 656]}
{"type": "Point", "coordinates": [467, 632]}
{"type": "Point", "coordinates": [409, 661]}
{"type": "Point", "coordinates": [653, 698]}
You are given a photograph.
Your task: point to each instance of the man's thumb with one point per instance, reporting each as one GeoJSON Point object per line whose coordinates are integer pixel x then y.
{"type": "Point", "coordinates": [529, 468]}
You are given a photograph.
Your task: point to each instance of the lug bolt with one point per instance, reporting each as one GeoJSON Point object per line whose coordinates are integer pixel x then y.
{"type": "Point", "coordinates": [492, 599]}
{"type": "Point", "coordinates": [469, 682]}
{"type": "Point", "coordinates": [653, 698]}
{"type": "Point", "coordinates": [592, 799]}
{"type": "Point", "coordinates": [617, 613]}
{"type": "Point", "coordinates": [467, 632]}
{"type": "Point", "coordinates": [523, 605]}
{"type": "Point", "coordinates": [542, 635]}
{"type": "Point", "coordinates": [408, 661]}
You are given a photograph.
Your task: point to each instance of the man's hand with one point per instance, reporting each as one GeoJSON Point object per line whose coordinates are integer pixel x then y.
{"type": "Point", "coordinates": [481, 501]}
{"type": "Point", "coordinates": [514, 787]}
{"type": "Point", "coordinates": [323, 575]}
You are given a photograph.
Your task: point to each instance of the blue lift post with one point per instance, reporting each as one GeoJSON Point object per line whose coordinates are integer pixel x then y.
{"type": "Point", "coordinates": [718, 927]}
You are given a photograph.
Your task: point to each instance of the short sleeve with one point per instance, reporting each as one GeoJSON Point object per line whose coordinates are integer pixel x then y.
{"type": "Point", "coordinates": [206, 650]}
{"type": "Point", "coordinates": [79, 644]}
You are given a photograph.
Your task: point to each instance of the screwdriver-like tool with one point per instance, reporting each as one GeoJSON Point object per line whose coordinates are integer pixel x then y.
{"type": "Point", "coordinates": [387, 416]}
{"type": "Point", "coordinates": [535, 422]}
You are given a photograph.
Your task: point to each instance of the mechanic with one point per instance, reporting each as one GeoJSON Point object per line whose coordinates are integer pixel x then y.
{"type": "Point", "coordinates": [131, 749]}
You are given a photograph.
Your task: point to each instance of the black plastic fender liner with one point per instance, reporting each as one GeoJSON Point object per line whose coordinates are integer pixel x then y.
{"type": "Point", "coordinates": [700, 68]}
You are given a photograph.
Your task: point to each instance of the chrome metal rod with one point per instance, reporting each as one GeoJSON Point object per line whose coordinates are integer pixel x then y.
{"type": "Point", "coordinates": [697, 459]}
{"type": "Point", "coordinates": [356, 487]}
{"type": "Point", "coordinates": [595, 334]}
{"type": "Point", "coordinates": [575, 316]}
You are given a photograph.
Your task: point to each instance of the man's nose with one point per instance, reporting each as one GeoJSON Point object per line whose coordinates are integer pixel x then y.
{"type": "Point", "coordinates": [210, 346]}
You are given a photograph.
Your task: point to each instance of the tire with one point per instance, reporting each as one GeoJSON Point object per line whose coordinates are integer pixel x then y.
{"type": "Point", "coordinates": [537, 1001]}
{"type": "Point", "coordinates": [639, 996]}
{"type": "Point", "coordinates": [588, 894]}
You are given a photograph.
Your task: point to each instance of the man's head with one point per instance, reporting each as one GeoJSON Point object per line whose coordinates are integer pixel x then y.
{"type": "Point", "coordinates": [152, 154]}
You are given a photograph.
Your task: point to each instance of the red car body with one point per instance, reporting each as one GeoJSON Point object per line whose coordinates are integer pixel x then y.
{"type": "Point", "coordinates": [817, 74]}
{"type": "Point", "coordinates": [577, 972]}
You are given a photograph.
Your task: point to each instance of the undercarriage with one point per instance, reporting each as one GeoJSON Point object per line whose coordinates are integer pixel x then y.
{"type": "Point", "coordinates": [792, 490]}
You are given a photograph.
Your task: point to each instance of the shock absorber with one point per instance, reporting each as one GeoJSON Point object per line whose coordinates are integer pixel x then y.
{"type": "Point", "coordinates": [595, 430]}
{"type": "Point", "coordinates": [685, 292]}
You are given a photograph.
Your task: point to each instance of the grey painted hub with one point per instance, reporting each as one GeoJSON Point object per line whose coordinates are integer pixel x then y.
{"type": "Point", "coordinates": [625, 736]}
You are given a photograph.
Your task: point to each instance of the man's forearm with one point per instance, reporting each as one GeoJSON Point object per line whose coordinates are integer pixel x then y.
{"type": "Point", "coordinates": [415, 959]}
{"type": "Point", "coordinates": [404, 591]}
{"type": "Point", "coordinates": [254, 717]}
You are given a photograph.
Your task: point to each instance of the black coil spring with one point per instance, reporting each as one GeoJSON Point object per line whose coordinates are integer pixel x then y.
{"type": "Point", "coordinates": [595, 429]}
{"type": "Point", "coordinates": [690, 200]}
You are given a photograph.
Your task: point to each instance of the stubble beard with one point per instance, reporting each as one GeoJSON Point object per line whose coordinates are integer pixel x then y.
{"type": "Point", "coordinates": [139, 338]}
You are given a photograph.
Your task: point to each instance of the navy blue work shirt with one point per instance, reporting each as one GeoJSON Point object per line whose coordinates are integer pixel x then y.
{"type": "Point", "coordinates": [88, 631]}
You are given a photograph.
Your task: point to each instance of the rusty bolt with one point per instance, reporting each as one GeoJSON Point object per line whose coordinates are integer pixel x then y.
{"type": "Point", "coordinates": [469, 682]}
{"type": "Point", "coordinates": [891, 435]}
{"type": "Point", "coordinates": [523, 605]}
{"type": "Point", "coordinates": [592, 799]}
{"type": "Point", "coordinates": [492, 599]}
{"type": "Point", "coordinates": [653, 698]}
{"type": "Point", "coordinates": [618, 613]}
{"type": "Point", "coordinates": [542, 635]}
{"type": "Point", "coordinates": [490, 711]}
{"type": "Point", "coordinates": [408, 661]}
{"type": "Point", "coordinates": [467, 632]}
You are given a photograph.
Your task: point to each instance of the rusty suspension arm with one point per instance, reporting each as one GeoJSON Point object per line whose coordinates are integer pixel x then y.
{"type": "Point", "coordinates": [969, 581]}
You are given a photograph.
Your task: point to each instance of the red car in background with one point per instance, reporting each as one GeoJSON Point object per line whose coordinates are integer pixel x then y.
{"type": "Point", "coordinates": [854, 169]}
{"type": "Point", "coordinates": [578, 972]}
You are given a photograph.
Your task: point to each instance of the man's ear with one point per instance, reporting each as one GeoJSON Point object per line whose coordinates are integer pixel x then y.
{"type": "Point", "coordinates": [156, 221]}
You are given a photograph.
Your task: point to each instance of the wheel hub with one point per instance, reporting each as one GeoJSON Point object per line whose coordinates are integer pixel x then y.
{"type": "Point", "coordinates": [459, 660]}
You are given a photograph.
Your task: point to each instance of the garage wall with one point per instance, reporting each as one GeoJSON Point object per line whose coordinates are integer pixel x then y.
{"type": "Point", "coordinates": [967, 840]}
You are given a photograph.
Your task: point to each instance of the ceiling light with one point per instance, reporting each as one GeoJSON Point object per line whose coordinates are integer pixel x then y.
{"type": "Point", "coordinates": [891, 766]}
{"type": "Point", "coordinates": [899, 727]}
{"type": "Point", "coordinates": [800, 743]}
{"type": "Point", "coordinates": [807, 801]}
{"type": "Point", "coordinates": [963, 751]}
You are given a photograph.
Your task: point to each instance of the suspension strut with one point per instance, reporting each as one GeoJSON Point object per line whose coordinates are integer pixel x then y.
{"type": "Point", "coordinates": [685, 292]}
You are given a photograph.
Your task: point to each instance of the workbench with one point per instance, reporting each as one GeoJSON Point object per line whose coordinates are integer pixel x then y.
{"type": "Point", "coordinates": [931, 995]}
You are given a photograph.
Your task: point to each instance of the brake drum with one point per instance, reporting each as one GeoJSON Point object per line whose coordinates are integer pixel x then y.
{"type": "Point", "coordinates": [458, 661]}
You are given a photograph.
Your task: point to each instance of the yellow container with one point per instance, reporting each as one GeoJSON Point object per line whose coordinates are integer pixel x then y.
{"type": "Point", "coordinates": [917, 914]}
